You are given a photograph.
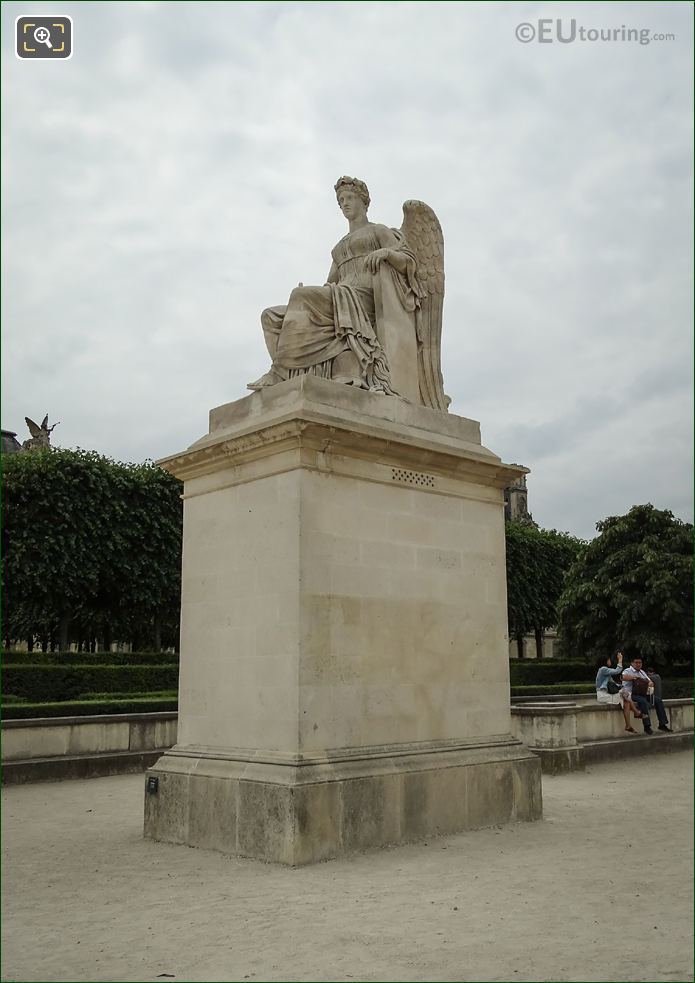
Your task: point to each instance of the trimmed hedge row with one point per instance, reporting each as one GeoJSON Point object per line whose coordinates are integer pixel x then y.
{"type": "Point", "coordinates": [534, 672]}
{"type": "Point", "coordinates": [553, 689]}
{"type": "Point", "coordinates": [41, 682]}
{"type": "Point", "coordinates": [159, 694]}
{"type": "Point", "coordinates": [89, 658]}
{"type": "Point", "coordinates": [78, 708]}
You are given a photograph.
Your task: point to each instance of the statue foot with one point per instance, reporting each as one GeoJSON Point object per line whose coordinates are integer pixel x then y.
{"type": "Point", "coordinates": [270, 378]}
{"type": "Point", "coordinates": [349, 380]}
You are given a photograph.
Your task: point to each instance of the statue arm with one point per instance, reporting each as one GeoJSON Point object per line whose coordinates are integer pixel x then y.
{"type": "Point", "coordinates": [332, 274]}
{"type": "Point", "coordinates": [390, 250]}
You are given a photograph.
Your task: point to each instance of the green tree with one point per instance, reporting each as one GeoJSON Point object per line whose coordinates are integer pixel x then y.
{"type": "Point", "coordinates": [537, 563]}
{"type": "Point", "coordinates": [91, 548]}
{"type": "Point", "coordinates": [632, 588]}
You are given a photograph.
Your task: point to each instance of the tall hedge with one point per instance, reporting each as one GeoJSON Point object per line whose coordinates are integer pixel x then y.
{"type": "Point", "coordinates": [91, 549]}
{"type": "Point", "coordinates": [531, 672]}
{"type": "Point", "coordinates": [90, 658]}
{"type": "Point", "coordinates": [136, 704]}
{"type": "Point", "coordinates": [61, 682]}
{"type": "Point", "coordinates": [537, 564]}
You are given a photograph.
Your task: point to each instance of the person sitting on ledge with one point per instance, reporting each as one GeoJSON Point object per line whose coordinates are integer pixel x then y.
{"type": "Point", "coordinates": [613, 667]}
{"type": "Point", "coordinates": [656, 700]}
{"type": "Point", "coordinates": [634, 689]}
{"type": "Point", "coordinates": [607, 673]}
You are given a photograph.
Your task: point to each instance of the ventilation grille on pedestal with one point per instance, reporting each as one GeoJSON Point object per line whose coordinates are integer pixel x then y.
{"type": "Point", "coordinates": [412, 478]}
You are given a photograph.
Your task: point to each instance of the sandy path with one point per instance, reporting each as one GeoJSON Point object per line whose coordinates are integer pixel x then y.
{"type": "Point", "coordinates": [86, 898]}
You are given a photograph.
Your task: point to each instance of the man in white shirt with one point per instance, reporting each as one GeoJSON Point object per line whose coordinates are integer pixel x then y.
{"type": "Point", "coordinates": [634, 680]}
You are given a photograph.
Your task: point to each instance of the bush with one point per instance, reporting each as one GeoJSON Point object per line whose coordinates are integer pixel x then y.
{"type": "Point", "coordinates": [162, 694]}
{"type": "Point", "coordinates": [77, 708]}
{"type": "Point", "coordinates": [554, 689]}
{"type": "Point", "coordinates": [91, 548]}
{"type": "Point", "coordinates": [632, 588]}
{"type": "Point", "coordinates": [90, 658]}
{"type": "Point", "coordinates": [42, 682]}
{"type": "Point", "coordinates": [673, 689]}
{"type": "Point", "coordinates": [534, 672]}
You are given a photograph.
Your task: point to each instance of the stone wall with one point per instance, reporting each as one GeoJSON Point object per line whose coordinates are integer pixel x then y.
{"type": "Point", "coordinates": [568, 735]}
{"type": "Point", "coordinates": [71, 747]}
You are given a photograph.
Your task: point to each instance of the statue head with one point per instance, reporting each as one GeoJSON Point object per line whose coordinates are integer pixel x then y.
{"type": "Point", "coordinates": [353, 184]}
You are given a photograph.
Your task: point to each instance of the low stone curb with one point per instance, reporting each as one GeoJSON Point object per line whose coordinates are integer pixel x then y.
{"type": "Point", "coordinates": [78, 766]}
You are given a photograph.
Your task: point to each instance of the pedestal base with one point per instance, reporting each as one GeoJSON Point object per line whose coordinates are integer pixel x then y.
{"type": "Point", "coordinates": [305, 811]}
{"type": "Point", "coordinates": [344, 676]}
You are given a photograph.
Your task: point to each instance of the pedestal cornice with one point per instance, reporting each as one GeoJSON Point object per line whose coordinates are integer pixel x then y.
{"type": "Point", "coordinates": [317, 421]}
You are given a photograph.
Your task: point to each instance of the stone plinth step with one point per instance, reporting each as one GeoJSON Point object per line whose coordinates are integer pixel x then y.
{"type": "Point", "coordinates": [625, 747]}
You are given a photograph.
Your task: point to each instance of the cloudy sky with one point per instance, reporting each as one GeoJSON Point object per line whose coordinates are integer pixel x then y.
{"type": "Point", "coordinates": [176, 175]}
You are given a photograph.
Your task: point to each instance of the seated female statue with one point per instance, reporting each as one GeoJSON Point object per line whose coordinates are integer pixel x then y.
{"type": "Point", "coordinates": [333, 331]}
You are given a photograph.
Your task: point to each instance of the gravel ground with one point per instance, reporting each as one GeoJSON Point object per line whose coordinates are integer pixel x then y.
{"type": "Point", "coordinates": [600, 889]}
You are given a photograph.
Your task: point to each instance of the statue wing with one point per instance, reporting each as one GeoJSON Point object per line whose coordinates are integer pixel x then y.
{"type": "Point", "coordinates": [34, 429]}
{"type": "Point", "coordinates": [44, 425]}
{"type": "Point", "coordinates": [423, 233]}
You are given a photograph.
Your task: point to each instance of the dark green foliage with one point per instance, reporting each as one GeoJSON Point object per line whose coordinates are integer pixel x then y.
{"type": "Point", "coordinates": [90, 658]}
{"type": "Point", "coordinates": [554, 689]}
{"type": "Point", "coordinates": [533, 672]}
{"type": "Point", "coordinates": [143, 704]}
{"type": "Point", "coordinates": [91, 549]}
{"type": "Point", "coordinates": [159, 694]}
{"type": "Point", "coordinates": [631, 588]}
{"type": "Point", "coordinates": [672, 688]}
{"type": "Point", "coordinates": [61, 682]}
{"type": "Point", "coordinates": [537, 562]}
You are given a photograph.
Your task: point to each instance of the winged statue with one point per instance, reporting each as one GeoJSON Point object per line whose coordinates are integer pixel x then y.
{"type": "Point", "coordinates": [40, 435]}
{"type": "Point", "coordinates": [377, 321]}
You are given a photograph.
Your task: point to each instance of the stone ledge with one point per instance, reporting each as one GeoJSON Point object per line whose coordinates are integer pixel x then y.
{"type": "Point", "coordinates": [336, 756]}
{"type": "Point", "coordinates": [338, 401]}
{"type": "Point", "coordinates": [584, 702]}
{"type": "Point", "coordinates": [594, 752]}
{"type": "Point", "coordinates": [95, 718]}
{"type": "Point", "coordinates": [282, 771]}
{"type": "Point", "coordinates": [80, 737]}
{"type": "Point", "coordinates": [556, 761]}
{"type": "Point", "coordinates": [78, 766]}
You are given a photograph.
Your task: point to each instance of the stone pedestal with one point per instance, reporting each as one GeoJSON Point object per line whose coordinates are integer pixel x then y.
{"type": "Point", "coordinates": [344, 661]}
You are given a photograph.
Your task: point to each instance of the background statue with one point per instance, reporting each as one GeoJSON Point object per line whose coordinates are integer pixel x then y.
{"type": "Point", "coordinates": [377, 321]}
{"type": "Point", "coordinates": [40, 439]}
